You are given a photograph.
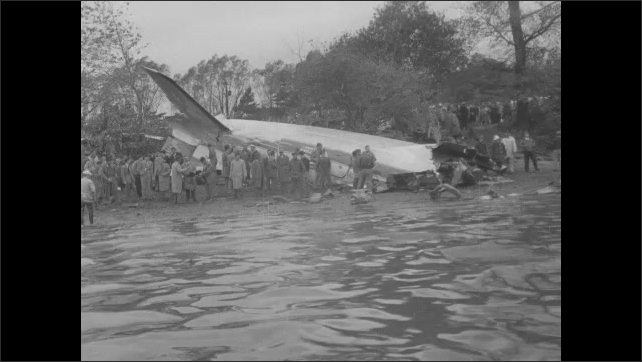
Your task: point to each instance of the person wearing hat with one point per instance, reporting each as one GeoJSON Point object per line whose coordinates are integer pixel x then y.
{"type": "Point", "coordinates": [498, 151]}
{"type": "Point", "coordinates": [87, 197]}
{"type": "Point", "coordinates": [283, 164]}
{"type": "Point", "coordinates": [557, 149]}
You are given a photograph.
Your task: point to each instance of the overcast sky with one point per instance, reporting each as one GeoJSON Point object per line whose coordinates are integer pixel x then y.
{"type": "Point", "coordinates": [180, 34]}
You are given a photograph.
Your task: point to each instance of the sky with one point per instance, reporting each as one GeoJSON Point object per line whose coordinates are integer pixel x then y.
{"type": "Point", "coordinates": [180, 34]}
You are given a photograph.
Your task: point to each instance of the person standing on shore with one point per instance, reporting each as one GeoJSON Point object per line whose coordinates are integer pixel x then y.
{"type": "Point", "coordinates": [164, 179]}
{"type": "Point", "coordinates": [316, 157]}
{"type": "Point", "coordinates": [245, 156]}
{"type": "Point", "coordinates": [99, 181]}
{"type": "Point", "coordinates": [127, 178]}
{"type": "Point", "coordinates": [176, 176]}
{"type": "Point", "coordinates": [256, 174]}
{"type": "Point", "coordinates": [498, 151]}
{"type": "Point", "coordinates": [354, 162]}
{"type": "Point", "coordinates": [304, 177]}
{"type": "Point", "coordinates": [147, 170]}
{"type": "Point", "coordinates": [296, 170]}
{"type": "Point", "coordinates": [209, 176]}
{"type": "Point", "coordinates": [557, 150]}
{"type": "Point", "coordinates": [528, 148]}
{"type": "Point", "coordinates": [324, 168]}
{"type": "Point", "coordinates": [158, 165]}
{"type": "Point", "coordinates": [226, 159]}
{"type": "Point", "coordinates": [283, 163]}
{"type": "Point", "coordinates": [137, 171]}
{"type": "Point", "coordinates": [511, 149]}
{"type": "Point", "coordinates": [271, 172]}
{"type": "Point", "coordinates": [189, 180]}
{"type": "Point", "coordinates": [237, 174]}
{"type": "Point", "coordinates": [87, 197]}
{"type": "Point", "coordinates": [110, 181]}
{"type": "Point", "coordinates": [366, 164]}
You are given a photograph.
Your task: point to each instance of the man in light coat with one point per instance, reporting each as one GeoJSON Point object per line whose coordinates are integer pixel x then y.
{"type": "Point", "coordinates": [87, 197]}
{"type": "Point", "coordinates": [511, 149]}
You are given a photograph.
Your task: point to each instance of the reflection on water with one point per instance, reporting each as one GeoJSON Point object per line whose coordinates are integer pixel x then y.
{"type": "Point", "coordinates": [412, 281]}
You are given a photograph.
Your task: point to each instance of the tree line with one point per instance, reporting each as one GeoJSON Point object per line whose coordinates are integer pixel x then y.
{"type": "Point", "coordinates": [407, 59]}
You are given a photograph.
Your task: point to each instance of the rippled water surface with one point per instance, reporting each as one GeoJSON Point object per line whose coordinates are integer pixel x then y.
{"type": "Point", "coordinates": [409, 281]}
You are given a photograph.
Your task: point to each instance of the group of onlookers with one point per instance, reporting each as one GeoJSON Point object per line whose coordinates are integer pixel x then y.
{"type": "Point", "coordinates": [502, 150]}
{"type": "Point", "coordinates": [525, 111]}
{"type": "Point", "coordinates": [115, 179]}
{"type": "Point", "coordinates": [282, 173]}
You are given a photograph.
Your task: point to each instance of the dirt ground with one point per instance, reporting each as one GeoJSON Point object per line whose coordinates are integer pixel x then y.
{"type": "Point", "coordinates": [250, 204]}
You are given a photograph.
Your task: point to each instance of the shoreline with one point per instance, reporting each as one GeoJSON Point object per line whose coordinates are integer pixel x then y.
{"type": "Point", "coordinates": [112, 215]}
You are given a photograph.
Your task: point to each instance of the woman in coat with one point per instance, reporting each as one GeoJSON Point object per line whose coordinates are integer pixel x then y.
{"type": "Point", "coordinates": [164, 179]}
{"type": "Point", "coordinates": [238, 173]}
{"type": "Point", "coordinates": [177, 176]}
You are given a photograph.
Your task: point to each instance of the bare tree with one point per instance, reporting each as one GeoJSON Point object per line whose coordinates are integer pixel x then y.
{"type": "Point", "coordinates": [298, 52]}
{"type": "Point", "coordinates": [504, 24]}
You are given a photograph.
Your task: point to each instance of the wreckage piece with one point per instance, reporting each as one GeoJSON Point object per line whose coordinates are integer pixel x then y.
{"type": "Point", "coordinates": [447, 151]}
{"type": "Point", "coordinates": [196, 127]}
{"type": "Point", "coordinates": [413, 181]}
{"type": "Point", "coordinates": [361, 196]}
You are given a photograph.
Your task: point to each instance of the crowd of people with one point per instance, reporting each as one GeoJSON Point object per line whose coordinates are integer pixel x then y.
{"type": "Point", "coordinates": [161, 175]}
{"type": "Point", "coordinates": [445, 120]}
{"type": "Point", "coordinates": [156, 176]}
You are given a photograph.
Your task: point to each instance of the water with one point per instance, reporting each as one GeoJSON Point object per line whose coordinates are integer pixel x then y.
{"type": "Point", "coordinates": [410, 281]}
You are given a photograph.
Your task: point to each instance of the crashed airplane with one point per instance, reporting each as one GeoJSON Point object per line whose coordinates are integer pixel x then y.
{"type": "Point", "coordinates": [398, 162]}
